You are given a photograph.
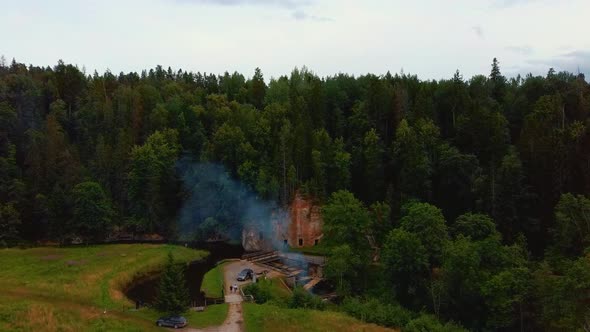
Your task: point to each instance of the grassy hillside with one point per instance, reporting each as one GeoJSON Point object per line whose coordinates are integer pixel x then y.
{"type": "Point", "coordinates": [212, 283]}
{"type": "Point", "coordinates": [271, 318]}
{"type": "Point", "coordinates": [68, 289]}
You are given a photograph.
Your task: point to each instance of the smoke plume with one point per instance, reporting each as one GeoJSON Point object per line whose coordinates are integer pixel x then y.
{"type": "Point", "coordinates": [218, 207]}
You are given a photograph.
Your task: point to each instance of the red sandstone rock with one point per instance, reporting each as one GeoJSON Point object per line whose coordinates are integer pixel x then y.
{"type": "Point", "coordinates": [305, 226]}
{"type": "Point", "coordinates": [300, 227]}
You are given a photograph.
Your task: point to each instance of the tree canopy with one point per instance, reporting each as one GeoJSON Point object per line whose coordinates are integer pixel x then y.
{"type": "Point", "coordinates": [464, 198]}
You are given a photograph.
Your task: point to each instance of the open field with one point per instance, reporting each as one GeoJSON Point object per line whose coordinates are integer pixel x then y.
{"type": "Point", "coordinates": [271, 318]}
{"type": "Point", "coordinates": [69, 289]}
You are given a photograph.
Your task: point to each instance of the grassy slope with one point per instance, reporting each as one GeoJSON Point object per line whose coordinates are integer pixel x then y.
{"type": "Point", "coordinates": [268, 317]}
{"type": "Point", "coordinates": [212, 283]}
{"type": "Point", "coordinates": [271, 318]}
{"type": "Point", "coordinates": [212, 316]}
{"type": "Point", "coordinates": [65, 289]}
{"type": "Point", "coordinates": [278, 289]}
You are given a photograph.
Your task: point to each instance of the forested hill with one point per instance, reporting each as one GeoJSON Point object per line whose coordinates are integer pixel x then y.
{"type": "Point", "coordinates": [82, 154]}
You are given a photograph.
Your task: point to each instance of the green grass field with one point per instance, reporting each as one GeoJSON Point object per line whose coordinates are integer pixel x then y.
{"type": "Point", "coordinates": [68, 289]}
{"type": "Point", "coordinates": [278, 289]}
{"type": "Point", "coordinates": [271, 318]}
{"type": "Point", "coordinates": [212, 283]}
{"type": "Point", "coordinates": [212, 316]}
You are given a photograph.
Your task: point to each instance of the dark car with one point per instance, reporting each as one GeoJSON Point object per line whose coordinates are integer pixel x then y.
{"type": "Point", "coordinates": [172, 321]}
{"type": "Point", "coordinates": [245, 275]}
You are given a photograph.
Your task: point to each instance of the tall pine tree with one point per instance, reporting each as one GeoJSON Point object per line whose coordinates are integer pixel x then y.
{"type": "Point", "coordinates": [173, 295]}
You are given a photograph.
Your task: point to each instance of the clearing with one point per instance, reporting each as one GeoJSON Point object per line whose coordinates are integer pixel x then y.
{"type": "Point", "coordinates": [81, 288]}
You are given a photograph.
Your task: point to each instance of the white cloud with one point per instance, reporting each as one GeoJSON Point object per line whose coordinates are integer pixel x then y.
{"type": "Point", "coordinates": [278, 3]}
{"type": "Point", "coordinates": [430, 38]}
{"type": "Point", "coordinates": [525, 50]}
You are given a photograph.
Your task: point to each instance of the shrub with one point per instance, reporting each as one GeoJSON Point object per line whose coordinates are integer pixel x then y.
{"type": "Point", "coordinates": [260, 291]}
{"type": "Point", "coordinates": [374, 311]}
{"type": "Point", "coordinates": [303, 299]}
{"type": "Point", "coordinates": [430, 323]}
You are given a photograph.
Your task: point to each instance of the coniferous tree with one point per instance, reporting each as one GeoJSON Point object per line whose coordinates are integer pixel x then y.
{"type": "Point", "coordinates": [173, 296]}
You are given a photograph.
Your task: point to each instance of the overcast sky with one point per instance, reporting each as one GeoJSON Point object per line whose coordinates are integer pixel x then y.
{"type": "Point", "coordinates": [430, 38]}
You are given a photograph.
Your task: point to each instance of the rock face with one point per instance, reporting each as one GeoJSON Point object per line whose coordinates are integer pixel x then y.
{"type": "Point", "coordinates": [300, 226]}
{"type": "Point", "coordinates": [253, 239]}
{"type": "Point", "coordinates": [305, 225]}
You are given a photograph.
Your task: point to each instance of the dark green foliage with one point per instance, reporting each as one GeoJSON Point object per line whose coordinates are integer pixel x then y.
{"type": "Point", "coordinates": [406, 262]}
{"type": "Point", "coordinates": [372, 161]}
{"type": "Point", "coordinates": [512, 198]}
{"type": "Point", "coordinates": [453, 180]}
{"type": "Point", "coordinates": [389, 157]}
{"type": "Point", "coordinates": [429, 323]}
{"type": "Point", "coordinates": [380, 222]}
{"type": "Point", "coordinates": [475, 226]}
{"type": "Point", "coordinates": [92, 210]}
{"type": "Point", "coordinates": [572, 224]}
{"type": "Point", "coordinates": [260, 292]}
{"type": "Point", "coordinates": [413, 162]}
{"type": "Point", "coordinates": [563, 295]}
{"type": "Point", "coordinates": [506, 293]}
{"type": "Point", "coordinates": [375, 311]}
{"type": "Point", "coordinates": [346, 221]}
{"type": "Point", "coordinates": [303, 299]}
{"type": "Point", "coordinates": [173, 296]}
{"type": "Point", "coordinates": [151, 179]}
{"type": "Point", "coordinates": [257, 89]}
{"type": "Point", "coordinates": [428, 224]}
{"type": "Point", "coordinates": [385, 138]}
{"type": "Point", "coordinates": [9, 223]}
{"type": "Point", "coordinates": [498, 82]}
{"type": "Point", "coordinates": [344, 266]}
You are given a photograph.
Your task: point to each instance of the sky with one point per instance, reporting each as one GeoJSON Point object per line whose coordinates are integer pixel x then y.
{"type": "Point", "coordinates": [429, 38]}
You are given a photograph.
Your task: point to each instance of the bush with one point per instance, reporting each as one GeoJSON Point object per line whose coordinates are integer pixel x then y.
{"type": "Point", "coordinates": [429, 323]}
{"type": "Point", "coordinates": [374, 311]}
{"type": "Point", "coordinates": [268, 290]}
{"type": "Point", "coordinates": [260, 291]}
{"type": "Point", "coordinates": [303, 299]}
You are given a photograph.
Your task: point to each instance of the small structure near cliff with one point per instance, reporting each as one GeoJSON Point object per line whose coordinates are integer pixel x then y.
{"type": "Point", "coordinates": [300, 226]}
{"type": "Point", "coordinates": [305, 224]}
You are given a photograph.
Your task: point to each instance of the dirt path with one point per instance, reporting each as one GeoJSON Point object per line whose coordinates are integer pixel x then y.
{"type": "Point", "coordinates": [235, 319]}
{"type": "Point", "coordinates": [233, 322]}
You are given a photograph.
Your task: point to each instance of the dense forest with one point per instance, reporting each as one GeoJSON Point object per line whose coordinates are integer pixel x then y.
{"type": "Point", "coordinates": [470, 194]}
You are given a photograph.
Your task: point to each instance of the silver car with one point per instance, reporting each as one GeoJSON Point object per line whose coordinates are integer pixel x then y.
{"type": "Point", "coordinates": [245, 274]}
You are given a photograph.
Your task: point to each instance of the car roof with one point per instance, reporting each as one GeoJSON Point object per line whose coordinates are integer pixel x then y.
{"type": "Point", "coordinates": [173, 317]}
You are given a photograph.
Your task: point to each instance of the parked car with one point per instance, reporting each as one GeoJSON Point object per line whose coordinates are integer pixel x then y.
{"type": "Point", "coordinates": [245, 275]}
{"type": "Point", "coordinates": [172, 321]}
